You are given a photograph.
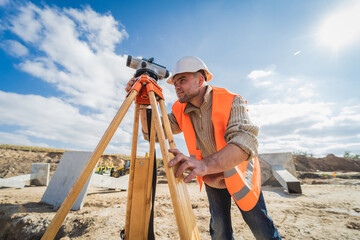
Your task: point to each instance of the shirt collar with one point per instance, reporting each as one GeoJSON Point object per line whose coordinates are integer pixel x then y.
{"type": "Point", "coordinates": [207, 97]}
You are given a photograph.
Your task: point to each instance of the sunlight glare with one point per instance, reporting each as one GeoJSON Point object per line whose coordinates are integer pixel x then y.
{"type": "Point", "coordinates": [341, 28]}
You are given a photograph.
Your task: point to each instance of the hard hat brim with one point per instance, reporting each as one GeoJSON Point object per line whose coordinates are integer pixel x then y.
{"type": "Point", "coordinates": [208, 74]}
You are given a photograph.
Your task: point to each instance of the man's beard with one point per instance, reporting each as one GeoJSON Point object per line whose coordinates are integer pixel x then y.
{"type": "Point", "coordinates": [187, 97]}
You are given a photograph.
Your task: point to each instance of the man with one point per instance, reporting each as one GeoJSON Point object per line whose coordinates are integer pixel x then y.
{"type": "Point", "coordinates": [223, 147]}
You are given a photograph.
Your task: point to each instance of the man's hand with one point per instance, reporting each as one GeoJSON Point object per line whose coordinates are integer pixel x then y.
{"type": "Point", "coordinates": [130, 84]}
{"type": "Point", "coordinates": [196, 167]}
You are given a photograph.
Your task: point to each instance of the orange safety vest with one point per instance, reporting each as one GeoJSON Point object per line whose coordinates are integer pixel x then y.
{"type": "Point", "coordinates": [244, 180]}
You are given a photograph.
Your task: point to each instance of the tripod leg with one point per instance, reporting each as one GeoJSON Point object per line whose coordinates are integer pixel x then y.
{"type": "Point", "coordinates": [150, 176]}
{"type": "Point", "coordinates": [187, 211]}
{"type": "Point", "coordinates": [185, 220]}
{"type": "Point", "coordinates": [86, 172]}
{"type": "Point", "coordinates": [139, 190]}
{"type": "Point", "coordinates": [132, 166]}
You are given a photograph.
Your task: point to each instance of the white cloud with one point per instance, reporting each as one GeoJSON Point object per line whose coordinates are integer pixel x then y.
{"type": "Point", "coordinates": [348, 117]}
{"type": "Point", "coordinates": [282, 88]}
{"type": "Point", "coordinates": [293, 117]}
{"type": "Point", "coordinates": [261, 77]}
{"type": "Point", "coordinates": [78, 53]}
{"type": "Point", "coordinates": [14, 48]}
{"type": "Point", "coordinates": [275, 113]}
{"type": "Point", "coordinates": [256, 74]}
{"type": "Point", "coordinates": [317, 128]}
{"type": "Point", "coordinates": [100, 31]}
{"type": "Point", "coordinates": [26, 24]}
{"type": "Point", "coordinates": [53, 119]}
{"type": "Point", "coordinates": [297, 53]}
{"type": "Point", "coordinates": [17, 139]}
{"type": "Point", "coordinates": [307, 91]}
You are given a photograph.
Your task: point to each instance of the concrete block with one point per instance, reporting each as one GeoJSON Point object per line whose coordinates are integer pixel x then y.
{"type": "Point", "coordinates": [267, 160]}
{"type": "Point", "coordinates": [98, 180]}
{"type": "Point", "coordinates": [65, 175]}
{"type": "Point", "coordinates": [288, 181]}
{"type": "Point", "coordinates": [278, 169]}
{"type": "Point", "coordinates": [39, 176]}
{"type": "Point", "coordinates": [40, 173]}
{"type": "Point", "coordinates": [267, 177]}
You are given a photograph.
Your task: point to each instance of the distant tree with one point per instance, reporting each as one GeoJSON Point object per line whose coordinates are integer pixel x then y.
{"type": "Point", "coordinates": [348, 154]}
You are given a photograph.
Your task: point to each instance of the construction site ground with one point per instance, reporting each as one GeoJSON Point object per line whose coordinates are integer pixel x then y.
{"type": "Point", "coordinates": [328, 208]}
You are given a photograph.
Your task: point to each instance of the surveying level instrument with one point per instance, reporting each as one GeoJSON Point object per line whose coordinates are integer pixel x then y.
{"type": "Point", "coordinates": [148, 67]}
{"type": "Point", "coordinates": [145, 91]}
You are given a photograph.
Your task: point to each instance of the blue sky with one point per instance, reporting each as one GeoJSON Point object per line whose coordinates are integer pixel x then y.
{"type": "Point", "coordinates": [63, 73]}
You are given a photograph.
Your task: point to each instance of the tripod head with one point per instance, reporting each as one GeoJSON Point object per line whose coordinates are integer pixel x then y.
{"type": "Point", "coordinates": [147, 67]}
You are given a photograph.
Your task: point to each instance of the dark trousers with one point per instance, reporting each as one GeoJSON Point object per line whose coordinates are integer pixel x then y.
{"type": "Point", "coordinates": [257, 219]}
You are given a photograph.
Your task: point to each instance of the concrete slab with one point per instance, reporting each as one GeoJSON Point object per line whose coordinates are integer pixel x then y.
{"type": "Point", "coordinates": [121, 183]}
{"type": "Point", "coordinates": [40, 174]}
{"type": "Point", "coordinates": [15, 182]}
{"type": "Point", "coordinates": [65, 175]}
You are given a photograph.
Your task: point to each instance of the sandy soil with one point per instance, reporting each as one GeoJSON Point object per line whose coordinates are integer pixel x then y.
{"type": "Point", "coordinates": [329, 208]}
{"type": "Point", "coordinates": [323, 211]}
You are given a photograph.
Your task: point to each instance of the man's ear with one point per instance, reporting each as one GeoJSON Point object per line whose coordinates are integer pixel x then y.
{"type": "Point", "coordinates": [201, 80]}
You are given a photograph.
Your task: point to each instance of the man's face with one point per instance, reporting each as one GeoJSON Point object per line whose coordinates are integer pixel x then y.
{"type": "Point", "coordinates": [186, 86]}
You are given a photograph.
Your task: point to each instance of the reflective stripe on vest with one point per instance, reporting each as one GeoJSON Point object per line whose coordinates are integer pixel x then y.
{"type": "Point", "coordinates": [243, 181]}
{"type": "Point", "coordinates": [239, 194]}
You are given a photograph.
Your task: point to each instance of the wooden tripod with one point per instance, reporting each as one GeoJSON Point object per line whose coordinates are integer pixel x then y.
{"type": "Point", "coordinates": [146, 91]}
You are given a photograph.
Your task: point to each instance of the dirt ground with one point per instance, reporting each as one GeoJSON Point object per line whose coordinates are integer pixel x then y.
{"type": "Point", "coordinates": [328, 208]}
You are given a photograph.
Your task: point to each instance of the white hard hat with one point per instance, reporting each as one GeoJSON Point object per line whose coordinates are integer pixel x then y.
{"type": "Point", "coordinates": [190, 64]}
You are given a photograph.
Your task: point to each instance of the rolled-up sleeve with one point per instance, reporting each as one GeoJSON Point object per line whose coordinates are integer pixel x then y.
{"type": "Point", "coordinates": [240, 130]}
{"type": "Point", "coordinates": [175, 128]}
